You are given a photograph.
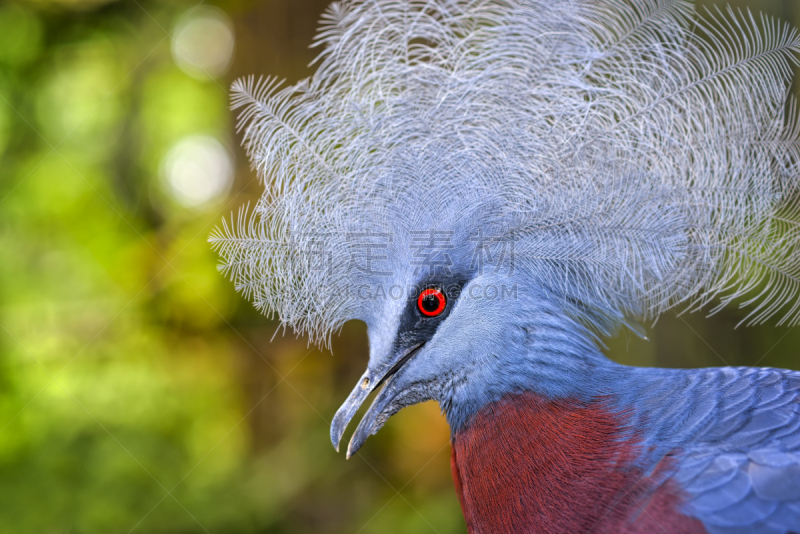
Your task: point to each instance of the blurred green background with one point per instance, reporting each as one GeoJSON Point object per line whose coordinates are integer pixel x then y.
{"type": "Point", "coordinates": [138, 391]}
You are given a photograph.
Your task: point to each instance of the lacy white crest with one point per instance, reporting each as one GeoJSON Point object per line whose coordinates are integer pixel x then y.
{"type": "Point", "coordinates": [638, 156]}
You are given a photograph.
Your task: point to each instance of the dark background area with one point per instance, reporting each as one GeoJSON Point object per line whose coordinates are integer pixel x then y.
{"type": "Point", "coordinates": [138, 391]}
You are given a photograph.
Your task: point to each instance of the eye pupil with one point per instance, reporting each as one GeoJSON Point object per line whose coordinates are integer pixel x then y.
{"type": "Point", "coordinates": [431, 302]}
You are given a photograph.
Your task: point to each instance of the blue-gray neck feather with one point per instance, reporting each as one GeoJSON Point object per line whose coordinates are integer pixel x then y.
{"type": "Point", "coordinates": [544, 352]}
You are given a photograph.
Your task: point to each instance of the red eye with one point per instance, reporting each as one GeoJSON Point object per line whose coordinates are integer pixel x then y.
{"type": "Point", "coordinates": [431, 302]}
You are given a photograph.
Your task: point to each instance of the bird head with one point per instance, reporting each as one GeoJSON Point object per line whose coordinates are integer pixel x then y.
{"type": "Point", "coordinates": [426, 345]}
{"type": "Point", "coordinates": [488, 185]}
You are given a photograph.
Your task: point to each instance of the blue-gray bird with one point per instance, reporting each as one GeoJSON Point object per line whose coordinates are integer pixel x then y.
{"type": "Point", "coordinates": [494, 185]}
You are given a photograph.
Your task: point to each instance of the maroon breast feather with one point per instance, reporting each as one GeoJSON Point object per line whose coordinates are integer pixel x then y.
{"type": "Point", "coordinates": [526, 464]}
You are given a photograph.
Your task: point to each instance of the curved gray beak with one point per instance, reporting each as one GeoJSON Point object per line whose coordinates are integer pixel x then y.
{"type": "Point", "coordinates": [372, 421]}
{"type": "Point", "coordinates": [346, 412]}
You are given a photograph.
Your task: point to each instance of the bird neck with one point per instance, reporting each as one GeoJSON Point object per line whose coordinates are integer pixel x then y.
{"type": "Point", "coordinates": [544, 353]}
{"type": "Point", "coordinates": [544, 418]}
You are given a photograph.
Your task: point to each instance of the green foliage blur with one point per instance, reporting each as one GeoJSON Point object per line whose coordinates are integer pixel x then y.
{"type": "Point", "coordinates": [138, 391]}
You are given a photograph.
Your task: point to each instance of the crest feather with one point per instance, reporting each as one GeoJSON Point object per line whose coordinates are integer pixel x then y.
{"type": "Point", "coordinates": [638, 155]}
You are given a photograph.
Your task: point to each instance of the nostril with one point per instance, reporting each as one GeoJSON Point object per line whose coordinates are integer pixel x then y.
{"type": "Point", "coordinates": [365, 383]}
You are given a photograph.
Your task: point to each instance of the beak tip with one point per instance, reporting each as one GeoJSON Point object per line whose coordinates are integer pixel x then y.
{"type": "Point", "coordinates": [351, 451]}
{"type": "Point", "coordinates": [357, 440]}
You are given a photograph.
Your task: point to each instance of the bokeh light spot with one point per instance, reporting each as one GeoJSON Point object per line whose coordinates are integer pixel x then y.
{"type": "Point", "coordinates": [203, 42]}
{"type": "Point", "coordinates": [198, 170]}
